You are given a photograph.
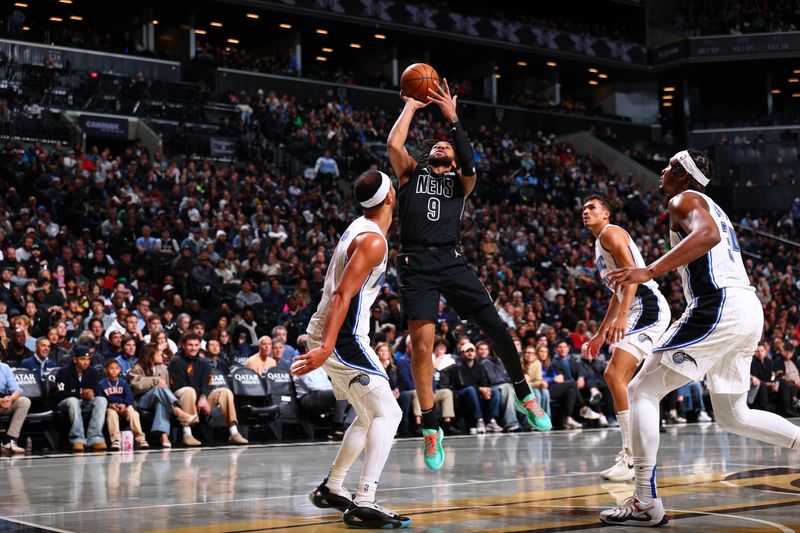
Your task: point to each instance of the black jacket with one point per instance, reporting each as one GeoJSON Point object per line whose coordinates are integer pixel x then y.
{"type": "Point", "coordinates": [69, 386]}
{"type": "Point", "coordinates": [186, 372]}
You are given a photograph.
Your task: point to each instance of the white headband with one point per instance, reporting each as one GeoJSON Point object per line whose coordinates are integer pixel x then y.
{"type": "Point", "coordinates": [686, 160]}
{"type": "Point", "coordinates": [380, 194]}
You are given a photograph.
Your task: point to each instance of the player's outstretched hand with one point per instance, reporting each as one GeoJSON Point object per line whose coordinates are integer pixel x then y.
{"type": "Point", "coordinates": [412, 103]}
{"type": "Point", "coordinates": [595, 343]}
{"type": "Point", "coordinates": [445, 102]}
{"type": "Point", "coordinates": [621, 277]}
{"type": "Point", "coordinates": [308, 362]}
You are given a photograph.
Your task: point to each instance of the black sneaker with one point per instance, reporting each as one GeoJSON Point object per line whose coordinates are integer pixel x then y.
{"type": "Point", "coordinates": [323, 498]}
{"type": "Point", "coordinates": [373, 516]}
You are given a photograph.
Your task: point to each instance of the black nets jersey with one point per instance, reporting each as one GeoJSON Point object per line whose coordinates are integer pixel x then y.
{"type": "Point", "coordinates": [431, 207]}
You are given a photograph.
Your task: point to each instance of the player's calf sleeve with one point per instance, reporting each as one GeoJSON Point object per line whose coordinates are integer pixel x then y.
{"type": "Point", "coordinates": [489, 321]}
{"type": "Point", "coordinates": [733, 415]}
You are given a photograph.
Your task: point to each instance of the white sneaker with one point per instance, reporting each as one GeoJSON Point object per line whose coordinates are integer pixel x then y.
{"type": "Point", "coordinates": [603, 421]}
{"type": "Point", "coordinates": [703, 417]}
{"type": "Point", "coordinates": [493, 426]}
{"type": "Point", "coordinates": [480, 427]}
{"type": "Point", "coordinates": [570, 423]}
{"type": "Point", "coordinates": [11, 447]}
{"type": "Point", "coordinates": [635, 513]}
{"type": "Point", "coordinates": [589, 414]}
{"type": "Point", "coordinates": [623, 470]}
{"type": "Point", "coordinates": [617, 459]}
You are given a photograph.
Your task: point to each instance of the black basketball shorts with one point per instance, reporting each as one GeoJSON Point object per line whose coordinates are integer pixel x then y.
{"type": "Point", "coordinates": [425, 274]}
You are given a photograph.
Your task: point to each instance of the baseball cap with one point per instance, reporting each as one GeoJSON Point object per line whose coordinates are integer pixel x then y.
{"type": "Point", "coordinates": [467, 346]}
{"type": "Point", "coordinates": [80, 351]}
{"type": "Point", "coordinates": [167, 287]}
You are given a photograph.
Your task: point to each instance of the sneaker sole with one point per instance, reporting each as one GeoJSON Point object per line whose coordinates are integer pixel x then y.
{"type": "Point", "coordinates": [664, 521]}
{"type": "Point", "coordinates": [403, 524]}
{"type": "Point", "coordinates": [627, 477]}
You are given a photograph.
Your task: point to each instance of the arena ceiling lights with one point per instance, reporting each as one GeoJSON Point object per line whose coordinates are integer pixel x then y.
{"type": "Point", "coordinates": [379, 36]}
{"type": "Point", "coordinates": [285, 26]}
{"type": "Point", "coordinates": [551, 64]}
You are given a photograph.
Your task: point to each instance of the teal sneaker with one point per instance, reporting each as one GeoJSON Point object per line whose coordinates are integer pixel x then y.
{"type": "Point", "coordinates": [434, 453]}
{"type": "Point", "coordinates": [535, 415]}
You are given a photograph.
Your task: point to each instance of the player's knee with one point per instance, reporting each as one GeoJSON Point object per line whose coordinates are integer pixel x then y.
{"type": "Point", "coordinates": [731, 415]}
{"type": "Point", "coordinates": [393, 413]}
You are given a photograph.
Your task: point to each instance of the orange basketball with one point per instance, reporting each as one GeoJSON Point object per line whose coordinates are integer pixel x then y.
{"type": "Point", "coordinates": [416, 80]}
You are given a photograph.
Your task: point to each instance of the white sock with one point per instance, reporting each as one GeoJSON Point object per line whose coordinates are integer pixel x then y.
{"type": "Point", "coordinates": [336, 479]}
{"type": "Point", "coordinates": [233, 430]}
{"type": "Point", "coordinates": [187, 431]}
{"type": "Point", "coordinates": [366, 490]}
{"type": "Point", "coordinates": [624, 418]}
{"type": "Point", "coordinates": [645, 483]}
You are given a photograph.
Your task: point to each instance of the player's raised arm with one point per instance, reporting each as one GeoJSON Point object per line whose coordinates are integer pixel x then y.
{"type": "Point", "coordinates": [690, 212]}
{"type": "Point", "coordinates": [461, 145]}
{"type": "Point", "coordinates": [401, 161]}
{"type": "Point", "coordinates": [366, 252]}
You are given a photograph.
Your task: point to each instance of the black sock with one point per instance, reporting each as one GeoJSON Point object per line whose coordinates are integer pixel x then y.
{"type": "Point", "coordinates": [429, 419]}
{"type": "Point", "coordinates": [522, 389]}
{"type": "Point", "coordinates": [503, 345]}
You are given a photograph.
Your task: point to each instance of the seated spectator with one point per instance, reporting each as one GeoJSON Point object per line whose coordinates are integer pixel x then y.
{"type": "Point", "coordinates": [246, 296]}
{"type": "Point", "coordinates": [563, 390]}
{"type": "Point", "coordinates": [101, 345]}
{"type": "Point", "coordinates": [59, 354]}
{"type": "Point", "coordinates": [279, 354]}
{"type": "Point", "coordinates": [384, 353]}
{"type": "Point", "coordinates": [15, 405]}
{"type": "Point", "coordinates": [120, 404]}
{"type": "Point", "coordinates": [153, 328]}
{"type": "Point", "coordinates": [501, 384]}
{"type": "Point", "coordinates": [219, 367]}
{"type": "Point", "coordinates": [279, 333]}
{"type": "Point", "coordinates": [78, 392]}
{"type": "Point", "coordinates": [786, 370]}
{"type": "Point", "coordinates": [772, 394]}
{"type": "Point", "coordinates": [443, 389]}
{"type": "Point", "coordinates": [473, 389]}
{"type": "Point", "coordinates": [190, 380]}
{"type": "Point", "coordinates": [127, 358]}
{"type": "Point", "coordinates": [40, 362]}
{"type": "Point", "coordinates": [17, 350]}
{"type": "Point", "coordinates": [263, 360]}
{"type": "Point", "coordinates": [532, 368]}
{"type": "Point", "coordinates": [150, 384]}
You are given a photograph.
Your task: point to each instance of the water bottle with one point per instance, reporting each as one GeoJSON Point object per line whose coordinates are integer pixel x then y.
{"type": "Point", "coordinates": [28, 445]}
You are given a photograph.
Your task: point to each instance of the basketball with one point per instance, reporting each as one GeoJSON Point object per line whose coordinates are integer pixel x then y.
{"type": "Point", "coordinates": [416, 80]}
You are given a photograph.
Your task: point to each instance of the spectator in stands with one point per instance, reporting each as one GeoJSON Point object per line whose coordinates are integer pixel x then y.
{"type": "Point", "coordinates": [119, 396]}
{"type": "Point", "coordinates": [326, 171]}
{"type": "Point", "coordinates": [262, 360]}
{"type": "Point", "coordinates": [190, 380]}
{"type": "Point", "coordinates": [562, 389]}
{"type": "Point", "coordinates": [78, 392]}
{"type": "Point", "coordinates": [384, 353]}
{"type": "Point", "coordinates": [17, 350]}
{"type": "Point", "coordinates": [474, 389]}
{"type": "Point", "coordinates": [127, 358]}
{"type": "Point", "coordinates": [246, 296]}
{"type": "Point", "coordinates": [219, 366]}
{"type": "Point", "coordinates": [15, 405]}
{"type": "Point", "coordinates": [279, 333]}
{"type": "Point", "coordinates": [533, 375]}
{"type": "Point", "coordinates": [787, 371]}
{"type": "Point", "coordinates": [40, 362]}
{"type": "Point", "coordinates": [150, 384]}
{"type": "Point", "coordinates": [500, 383]}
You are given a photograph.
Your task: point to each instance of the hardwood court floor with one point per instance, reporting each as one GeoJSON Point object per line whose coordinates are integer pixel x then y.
{"type": "Point", "coordinates": [710, 481]}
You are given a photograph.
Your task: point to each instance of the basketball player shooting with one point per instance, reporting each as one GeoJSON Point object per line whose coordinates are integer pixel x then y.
{"type": "Point", "coordinates": [340, 327]}
{"type": "Point", "coordinates": [432, 193]}
{"type": "Point", "coordinates": [716, 336]}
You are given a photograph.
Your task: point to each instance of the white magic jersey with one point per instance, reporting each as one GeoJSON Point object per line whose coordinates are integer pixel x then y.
{"type": "Point", "coordinates": [720, 267]}
{"type": "Point", "coordinates": [356, 323]}
{"type": "Point", "coordinates": [605, 261]}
